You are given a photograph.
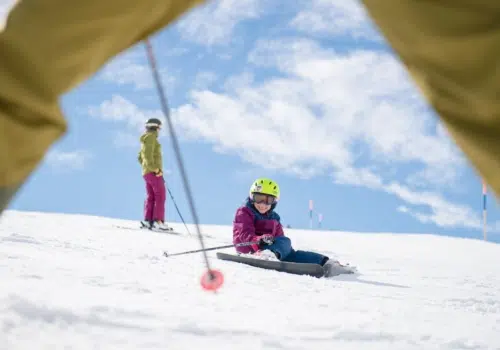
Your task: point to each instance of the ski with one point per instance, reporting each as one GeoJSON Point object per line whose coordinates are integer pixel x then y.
{"type": "Point", "coordinates": [142, 227]}
{"type": "Point", "coordinates": [313, 270]}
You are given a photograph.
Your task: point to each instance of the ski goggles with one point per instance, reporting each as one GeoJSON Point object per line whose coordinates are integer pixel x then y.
{"type": "Point", "coordinates": [260, 198]}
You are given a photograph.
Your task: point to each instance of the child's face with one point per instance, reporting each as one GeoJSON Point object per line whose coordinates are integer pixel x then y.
{"type": "Point", "coordinates": [263, 202]}
{"type": "Point", "coordinates": [262, 207]}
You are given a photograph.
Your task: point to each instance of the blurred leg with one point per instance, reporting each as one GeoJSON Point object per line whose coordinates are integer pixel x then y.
{"type": "Point", "coordinates": [305, 257]}
{"type": "Point", "coordinates": [452, 50]}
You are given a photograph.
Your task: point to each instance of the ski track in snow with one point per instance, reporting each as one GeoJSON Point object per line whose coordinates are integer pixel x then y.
{"type": "Point", "coordinates": [78, 282]}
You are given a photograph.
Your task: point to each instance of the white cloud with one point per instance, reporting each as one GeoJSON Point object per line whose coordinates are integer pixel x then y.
{"type": "Point", "coordinates": [439, 210]}
{"type": "Point", "coordinates": [309, 120]}
{"type": "Point", "coordinates": [127, 71]}
{"type": "Point", "coordinates": [119, 109]}
{"type": "Point", "coordinates": [336, 17]}
{"type": "Point", "coordinates": [403, 209]}
{"type": "Point", "coordinates": [204, 80]}
{"type": "Point", "coordinates": [68, 161]}
{"type": "Point", "coordinates": [357, 177]}
{"type": "Point", "coordinates": [214, 22]}
{"type": "Point", "coordinates": [5, 7]}
{"type": "Point", "coordinates": [262, 137]}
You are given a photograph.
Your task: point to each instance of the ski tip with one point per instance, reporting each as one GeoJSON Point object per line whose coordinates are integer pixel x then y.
{"type": "Point", "coordinates": [212, 280]}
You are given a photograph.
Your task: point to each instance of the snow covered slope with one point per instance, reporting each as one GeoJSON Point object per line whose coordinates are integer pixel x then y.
{"type": "Point", "coordinates": [78, 282]}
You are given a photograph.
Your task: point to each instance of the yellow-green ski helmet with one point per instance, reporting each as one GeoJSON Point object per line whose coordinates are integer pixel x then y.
{"type": "Point", "coordinates": [265, 186]}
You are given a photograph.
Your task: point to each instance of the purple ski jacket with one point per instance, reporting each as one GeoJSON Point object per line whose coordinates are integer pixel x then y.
{"type": "Point", "coordinates": [249, 223]}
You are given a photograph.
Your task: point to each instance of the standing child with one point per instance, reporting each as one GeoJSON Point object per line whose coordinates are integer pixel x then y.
{"type": "Point", "coordinates": [256, 221]}
{"type": "Point", "coordinates": [150, 158]}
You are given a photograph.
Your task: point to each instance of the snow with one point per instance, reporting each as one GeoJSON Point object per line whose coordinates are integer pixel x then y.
{"type": "Point", "coordinates": [78, 282]}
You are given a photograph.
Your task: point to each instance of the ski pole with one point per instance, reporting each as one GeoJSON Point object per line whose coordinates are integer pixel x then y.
{"type": "Point", "coordinates": [213, 248]}
{"type": "Point", "coordinates": [178, 211]}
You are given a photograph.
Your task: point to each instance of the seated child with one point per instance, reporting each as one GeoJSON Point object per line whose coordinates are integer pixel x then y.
{"type": "Point", "coordinates": [256, 221]}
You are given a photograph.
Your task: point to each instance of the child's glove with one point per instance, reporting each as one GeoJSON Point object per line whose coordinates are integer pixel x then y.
{"type": "Point", "coordinates": [262, 241]}
{"type": "Point", "coordinates": [265, 240]}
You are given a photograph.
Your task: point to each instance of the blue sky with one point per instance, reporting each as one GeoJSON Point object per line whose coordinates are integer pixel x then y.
{"type": "Point", "coordinates": [307, 93]}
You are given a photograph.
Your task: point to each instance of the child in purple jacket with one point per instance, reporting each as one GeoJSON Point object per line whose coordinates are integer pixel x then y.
{"type": "Point", "coordinates": [257, 222]}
